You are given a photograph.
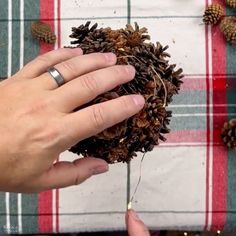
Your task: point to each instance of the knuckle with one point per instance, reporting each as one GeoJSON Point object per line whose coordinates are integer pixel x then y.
{"type": "Point", "coordinates": [68, 66]}
{"type": "Point", "coordinates": [125, 104]}
{"type": "Point", "coordinates": [117, 71]}
{"type": "Point", "coordinates": [43, 59]}
{"type": "Point", "coordinates": [53, 132]}
{"type": "Point", "coordinates": [90, 83]}
{"type": "Point", "coordinates": [100, 57]}
{"type": "Point", "coordinates": [77, 179]}
{"type": "Point", "coordinates": [98, 117]}
{"type": "Point", "coordinates": [68, 52]}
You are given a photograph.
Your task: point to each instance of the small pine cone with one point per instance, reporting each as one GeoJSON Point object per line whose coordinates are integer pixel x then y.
{"type": "Point", "coordinates": [43, 32]}
{"type": "Point", "coordinates": [228, 134]}
{"type": "Point", "coordinates": [212, 14]}
{"type": "Point", "coordinates": [228, 28]}
{"type": "Point", "coordinates": [231, 3]}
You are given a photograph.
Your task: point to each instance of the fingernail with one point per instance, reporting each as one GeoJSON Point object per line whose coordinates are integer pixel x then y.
{"type": "Point", "coordinates": [138, 100]}
{"type": "Point", "coordinates": [134, 215]}
{"type": "Point", "coordinates": [110, 57]}
{"type": "Point", "coordinates": [100, 169]}
{"type": "Point", "coordinates": [130, 70]}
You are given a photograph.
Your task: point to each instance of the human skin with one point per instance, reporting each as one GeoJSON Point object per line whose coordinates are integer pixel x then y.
{"type": "Point", "coordinates": [134, 225]}
{"type": "Point", "coordinates": [38, 122]}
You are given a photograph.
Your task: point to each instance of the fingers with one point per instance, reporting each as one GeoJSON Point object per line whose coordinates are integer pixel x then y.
{"type": "Point", "coordinates": [41, 63]}
{"type": "Point", "coordinates": [87, 87]}
{"type": "Point", "coordinates": [134, 225]}
{"type": "Point", "coordinates": [77, 66]}
{"type": "Point", "coordinates": [94, 119]}
{"type": "Point", "coordinates": [64, 174]}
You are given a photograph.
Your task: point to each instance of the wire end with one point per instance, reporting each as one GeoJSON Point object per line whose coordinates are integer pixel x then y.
{"type": "Point", "coordinates": [129, 207]}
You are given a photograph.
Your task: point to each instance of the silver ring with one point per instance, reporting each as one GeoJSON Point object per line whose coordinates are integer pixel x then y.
{"type": "Point", "coordinates": [56, 75]}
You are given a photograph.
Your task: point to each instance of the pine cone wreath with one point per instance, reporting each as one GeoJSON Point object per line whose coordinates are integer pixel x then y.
{"type": "Point", "coordinates": [155, 79]}
{"type": "Point", "coordinates": [228, 134]}
{"type": "Point", "coordinates": [228, 28]}
{"type": "Point", "coordinates": [213, 14]}
{"type": "Point", "coordinates": [43, 32]}
{"type": "Point", "coordinates": [231, 3]}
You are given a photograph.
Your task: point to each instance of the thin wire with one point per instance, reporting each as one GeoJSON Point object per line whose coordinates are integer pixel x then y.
{"type": "Point", "coordinates": [129, 206]}
{"type": "Point", "coordinates": [138, 183]}
{"type": "Point", "coordinates": [164, 86]}
{"type": "Point", "coordinates": [158, 77]}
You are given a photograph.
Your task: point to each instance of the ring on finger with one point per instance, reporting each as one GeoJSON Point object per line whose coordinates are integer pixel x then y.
{"type": "Point", "coordinates": [56, 75]}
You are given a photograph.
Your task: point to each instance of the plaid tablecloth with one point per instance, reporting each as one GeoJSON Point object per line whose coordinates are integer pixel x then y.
{"type": "Point", "coordinates": [189, 182]}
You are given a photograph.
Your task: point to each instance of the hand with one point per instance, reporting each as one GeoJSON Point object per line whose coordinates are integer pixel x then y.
{"type": "Point", "coordinates": [37, 121]}
{"type": "Point", "coordinates": [134, 225]}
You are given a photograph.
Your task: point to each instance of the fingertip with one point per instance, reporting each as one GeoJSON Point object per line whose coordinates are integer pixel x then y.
{"type": "Point", "coordinates": [135, 226]}
{"type": "Point", "coordinates": [139, 100]}
{"type": "Point", "coordinates": [131, 213]}
{"type": "Point", "coordinates": [130, 70]}
{"type": "Point", "coordinates": [110, 58]}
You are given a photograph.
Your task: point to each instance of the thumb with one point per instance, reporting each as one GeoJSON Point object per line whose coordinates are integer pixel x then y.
{"type": "Point", "coordinates": [134, 225]}
{"type": "Point", "coordinates": [65, 173]}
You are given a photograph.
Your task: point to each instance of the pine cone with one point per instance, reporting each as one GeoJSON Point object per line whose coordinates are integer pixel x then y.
{"type": "Point", "coordinates": [43, 32]}
{"type": "Point", "coordinates": [228, 134]}
{"type": "Point", "coordinates": [228, 28]}
{"type": "Point", "coordinates": [155, 79]}
{"type": "Point", "coordinates": [231, 3]}
{"type": "Point", "coordinates": [212, 14]}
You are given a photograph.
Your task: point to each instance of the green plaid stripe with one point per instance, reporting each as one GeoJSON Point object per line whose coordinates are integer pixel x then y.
{"type": "Point", "coordinates": [3, 38]}
{"type": "Point", "coordinates": [31, 50]}
{"type": "Point", "coordinates": [15, 36]}
{"type": "Point", "coordinates": [15, 66]}
{"type": "Point", "coordinates": [30, 213]}
{"type": "Point", "coordinates": [231, 157]}
{"type": "Point", "coordinates": [3, 73]}
{"type": "Point", "coordinates": [128, 11]}
{"type": "Point", "coordinates": [31, 13]}
{"type": "Point", "coordinates": [2, 213]}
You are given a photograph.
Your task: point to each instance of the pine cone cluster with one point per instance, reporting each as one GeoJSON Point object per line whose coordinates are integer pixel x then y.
{"type": "Point", "coordinates": [228, 134]}
{"type": "Point", "coordinates": [231, 3]}
{"type": "Point", "coordinates": [228, 28]}
{"type": "Point", "coordinates": [155, 79]}
{"type": "Point", "coordinates": [43, 32]}
{"type": "Point", "coordinates": [213, 14]}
